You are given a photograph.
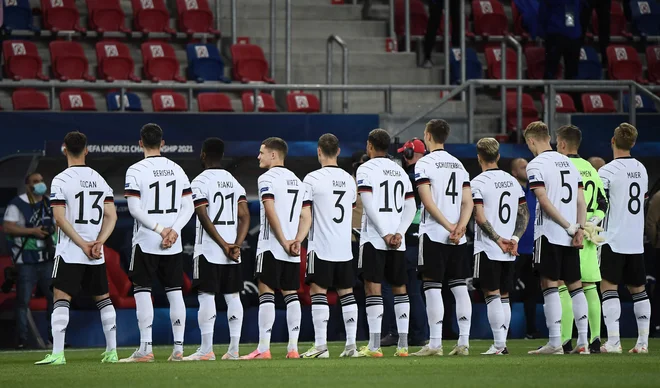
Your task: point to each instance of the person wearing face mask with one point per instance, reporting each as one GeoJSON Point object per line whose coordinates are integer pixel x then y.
{"type": "Point", "coordinates": [29, 226]}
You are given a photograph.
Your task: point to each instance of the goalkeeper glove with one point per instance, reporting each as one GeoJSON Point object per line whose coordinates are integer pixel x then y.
{"type": "Point", "coordinates": [595, 220]}
{"type": "Point", "coordinates": [591, 233]}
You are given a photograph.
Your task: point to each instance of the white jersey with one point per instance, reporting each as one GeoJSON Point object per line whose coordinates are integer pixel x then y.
{"type": "Point", "coordinates": [83, 192]}
{"type": "Point", "coordinates": [447, 178]}
{"type": "Point", "coordinates": [390, 187]}
{"type": "Point", "coordinates": [626, 182]}
{"type": "Point", "coordinates": [220, 193]}
{"type": "Point", "coordinates": [500, 194]}
{"type": "Point", "coordinates": [561, 180]}
{"type": "Point", "coordinates": [279, 184]}
{"type": "Point", "coordinates": [331, 192]}
{"type": "Point", "coordinates": [160, 184]}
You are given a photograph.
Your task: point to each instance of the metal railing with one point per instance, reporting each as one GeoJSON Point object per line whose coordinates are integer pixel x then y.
{"type": "Point", "coordinates": [273, 35]}
{"type": "Point", "coordinates": [233, 21]}
{"type": "Point", "coordinates": [514, 43]}
{"type": "Point", "coordinates": [332, 39]}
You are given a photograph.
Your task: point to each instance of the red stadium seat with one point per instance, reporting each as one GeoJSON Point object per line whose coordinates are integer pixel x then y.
{"type": "Point", "coordinates": [653, 63]}
{"type": "Point", "coordinates": [76, 99]}
{"type": "Point", "coordinates": [418, 18]}
{"type": "Point", "coordinates": [529, 112]}
{"type": "Point", "coordinates": [29, 99]}
{"type": "Point", "coordinates": [598, 103]}
{"type": "Point", "coordinates": [489, 18]}
{"type": "Point", "coordinates": [214, 102]}
{"type": "Point", "coordinates": [302, 103]}
{"type": "Point", "coordinates": [119, 284]}
{"type": "Point", "coordinates": [265, 102]}
{"type": "Point", "coordinates": [250, 63]}
{"type": "Point", "coordinates": [535, 57]}
{"type": "Point", "coordinates": [22, 60]}
{"type": "Point", "coordinates": [623, 63]}
{"type": "Point", "coordinates": [151, 16]}
{"type": "Point", "coordinates": [563, 103]}
{"type": "Point", "coordinates": [195, 16]}
{"type": "Point", "coordinates": [518, 27]}
{"type": "Point", "coordinates": [493, 59]}
{"type": "Point", "coordinates": [115, 62]}
{"type": "Point", "coordinates": [617, 21]}
{"type": "Point", "coordinates": [61, 15]}
{"type": "Point", "coordinates": [68, 61]}
{"type": "Point", "coordinates": [160, 63]}
{"type": "Point", "coordinates": [167, 101]}
{"type": "Point", "coordinates": [106, 15]}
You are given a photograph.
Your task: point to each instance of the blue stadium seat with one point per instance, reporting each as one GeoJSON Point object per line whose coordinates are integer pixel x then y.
{"type": "Point", "coordinates": [473, 69]}
{"type": "Point", "coordinates": [205, 63]}
{"type": "Point", "coordinates": [646, 17]}
{"type": "Point", "coordinates": [131, 102]}
{"type": "Point", "coordinates": [644, 104]}
{"type": "Point", "coordinates": [590, 66]}
{"type": "Point", "coordinates": [18, 15]}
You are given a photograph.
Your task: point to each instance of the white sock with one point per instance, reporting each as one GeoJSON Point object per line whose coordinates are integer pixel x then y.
{"type": "Point", "coordinates": [266, 320]}
{"type": "Point", "coordinates": [320, 317]}
{"type": "Point", "coordinates": [552, 310]}
{"type": "Point", "coordinates": [611, 315]}
{"type": "Point", "coordinates": [496, 319]}
{"type": "Point", "coordinates": [402, 313]}
{"type": "Point", "coordinates": [293, 317]}
{"type": "Point", "coordinates": [144, 309]}
{"type": "Point", "coordinates": [349, 310]}
{"type": "Point", "coordinates": [234, 320]}
{"type": "Point", "coordinates": [177, 317]}
{"type": "Point", "coordinates": [642, 308]}
{"type": "Point", "coordinates": [506, 306]}
{"type": "Point", "coordinates": [374, 319]}
{"type": "Point", "coordinates": [435, 311]}
{"type": "Point", "coordinates": [59, 320]}
{"type": "Point", "coordinates": [463, 310]}
{"type": "Point", "coordinates": [206, 320]}
{"type": "Point", "coordinates": [580, 311]}
{"type": "Point", "coordinates": [109, 323]}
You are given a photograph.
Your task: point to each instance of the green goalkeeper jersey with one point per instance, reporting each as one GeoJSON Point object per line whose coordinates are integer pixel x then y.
{"type": "Point", "coordinates": [594, 192]}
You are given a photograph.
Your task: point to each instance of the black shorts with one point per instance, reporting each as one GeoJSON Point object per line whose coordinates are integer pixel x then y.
{"type": "Point", "coordinates": [329, 274]}
{"type": "Point", "coordinates": [622, 268]}
{"type": "Point", "coordinates": [70, 278]}
{"type": "Point", "coordinates": [168, 269]}
{"type": "Point", "coordinates": [216, 278]}
{"type": "Point", "coordinates": [494, 275]}
{"type": "Point", "coordinates": [556, 262]}
{"type": "Point", "coordinates": [277, 274]}
{"type": "Point", "coordinates": [440, 262]}
{"type": "Point", "coordinates": [377, 266]}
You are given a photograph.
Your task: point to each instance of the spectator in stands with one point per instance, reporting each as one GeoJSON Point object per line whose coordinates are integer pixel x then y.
{"type": "Point", "coordinates": [29, 225]}
{"type": "Point", "coordinates": [560, 20]}
{"type": "Point", "coordinates": [602, 8]}
{"type": "Point", "coordinates": [435, 16]}
{"type": "Point", "coordinates": [597, 162]}
{"type": "Point", "coordinates": [527, 282]}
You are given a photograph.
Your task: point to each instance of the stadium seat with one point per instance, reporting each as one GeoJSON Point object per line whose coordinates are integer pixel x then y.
{"type": "Point", "coordinates": [265, 102]}
{"type": "Point", "coordinates": [617, 21]}
{"type": "Point", "coordinates": [76, 99]}
{"type": "Point", "coordinates": [643, 104]}
{"type": "Point", "coordinates": [205, 63]}
{"type": "Point", "coordinates": [300, 102]}
{"type": "Point", "coordinates": [195, 16]}
{"type": "Point", "coordinates": [624, 64]}
{"type": "Point", "coordinates": [418, 18]}
{"type": "Point", "coordinates": [29, 99]}
{"type": "Point", "coordinates": [249, 64]}
{"type": "Point", "coordinates": [589, 67]}
{"type": "Point", "coordinates": [493, 59]}
{"type": "Point", "coordinates": [473, 69]}
{"type": "Point", "coordinates": [518, 22]}
{"type": "Point", "coordinates": [160, 63]}
{"type": "Point", "coordinates": [115, 62]}
{"type": "Point", "coordinates": [22, 60]}
{"type": "Point", "coordinates": [535, 57]}
{"type": "Point", "coordinates": [653, 63]}
{"type": "Point", "coordinates": [167, 101]}
{"type": "Point", "coordinates": [68, 61]}
{"type": "Point", "coordinates": [646, 17]}
{"type": "Point", "coordinates": [61, 15]}
{"type": "Point", "coordinates": [119, 284]}
{"type": "Point", "coordinates": [529, 111]}
{"type": "Point", "coordinates": [598, 103]}
{"type": "Point", "coordinates": [489, 18]}
{"type": "Point", "coordinates": [18, 15]}
{"type": "Point", "coordinates": [131, 102]}
{"type": "Point", "coordinates": [151, 16]}
{"type": "Point", "coordinates": [214, 102]}
{"type": "Point", "coordinates": [563, 103]}
{"type": "Point", "coordinates": [106, 16]}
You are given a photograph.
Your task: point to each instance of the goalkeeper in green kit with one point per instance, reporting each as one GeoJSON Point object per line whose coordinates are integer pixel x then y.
{"type": "Point", "coordinates": [568, 142]}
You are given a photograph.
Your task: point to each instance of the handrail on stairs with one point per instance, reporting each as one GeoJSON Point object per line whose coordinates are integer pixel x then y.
{"type": "Point", "coordinates": [332, 39]}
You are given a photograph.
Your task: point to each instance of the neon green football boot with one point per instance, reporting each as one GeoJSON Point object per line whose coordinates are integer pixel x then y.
{"type": "Point", "coordinates": [53, 359]}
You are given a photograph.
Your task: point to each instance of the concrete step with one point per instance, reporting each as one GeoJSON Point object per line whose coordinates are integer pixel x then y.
{"type": "Point", "coordinates": [260, 9]}
{"type": "Point", "coordinates": [304, 44]}
{"type": "Point", "coordinates": [308, 28]}
{"type": "Point", "coordinates": [360, 75]}
{"type": "Point", "coordinates": [356, 60]}
{"type": "Point", "coordinates": [403, 103]}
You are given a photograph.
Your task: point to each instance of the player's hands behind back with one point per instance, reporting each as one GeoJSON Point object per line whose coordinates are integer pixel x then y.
{"type": "Point", "coordinates": [457, 234]}
{"type": "Point", "coordinates": [88, 248]}
{"type": "Point", "coordinates": [591, 231]}
{"type": "Point", "coordinates": [232, 251]}
{"type": "Point", "coordinates": [505, 244]}
{"type": "Point", "coordinates": [169, 236]}
{"type": "Point", "coordinates": [578, 239]}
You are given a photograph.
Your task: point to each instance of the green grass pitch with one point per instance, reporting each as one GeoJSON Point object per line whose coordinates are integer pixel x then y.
{"type": "Point", "coordinates": [518, 369]}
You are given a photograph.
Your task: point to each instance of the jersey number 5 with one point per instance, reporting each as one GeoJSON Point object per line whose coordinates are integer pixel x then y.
{"type": "Point", "coordinates": [566, 185]}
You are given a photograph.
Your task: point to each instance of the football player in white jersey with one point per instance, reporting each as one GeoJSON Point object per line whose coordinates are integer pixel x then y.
{"type": "Point", "coordinates": [84, 210]}
{"type": "Point", "coordinates": [223, 220]}
{"type": "Point", "coordinates": [444, 188]}
{"type": "Point", "coordinates": [498, 229]}
{"type": "Point", "coordinates": [389, 209]}
{"type": "Point", "coordinates": [622, 256]}
{"type": "Point", "coordinates": [160, 199]}
{"type": "Point", "coordinates": [281, 194]}
{"type": "Point", "coordinates": [558, 233]}
{"type": "Point", "coordinates": [330, 194]}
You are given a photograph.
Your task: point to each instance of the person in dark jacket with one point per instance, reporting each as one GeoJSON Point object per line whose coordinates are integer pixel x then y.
{"type": "Point", "coordinates": [435, 17]}
{"type": "Point", "coordinates": [560, 20]}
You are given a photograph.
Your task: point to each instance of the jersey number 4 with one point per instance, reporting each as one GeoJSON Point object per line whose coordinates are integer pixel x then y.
{"type": "Point", "coordinates": [95, 206]}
